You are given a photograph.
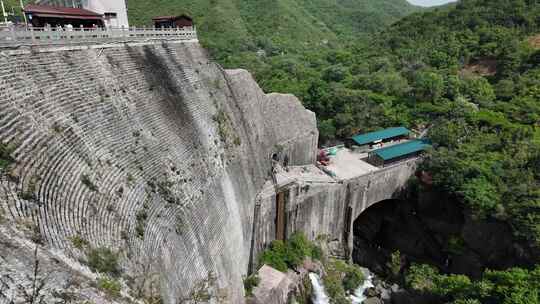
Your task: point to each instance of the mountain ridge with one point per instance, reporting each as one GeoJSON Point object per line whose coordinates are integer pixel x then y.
{"type": "Point", "coordinates": [289, 25]}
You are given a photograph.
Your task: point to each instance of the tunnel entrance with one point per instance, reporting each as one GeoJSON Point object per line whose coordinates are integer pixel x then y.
{"type": "Point", "coordinates": [432, 228]}
{"type": "Point", "coordinates": [281, 219]}
{"type": "Point", "coordinates": [419, 231]}
{"type": "Point", "coordinates": [373, 235]}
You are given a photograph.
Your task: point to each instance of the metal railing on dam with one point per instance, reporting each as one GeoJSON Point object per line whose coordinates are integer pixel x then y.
{"type": "Point", "coordinates": [14, 36]}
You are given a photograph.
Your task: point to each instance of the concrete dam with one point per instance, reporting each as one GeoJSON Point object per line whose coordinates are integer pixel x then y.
{"type": "Point", "coordinates": [153, 152]}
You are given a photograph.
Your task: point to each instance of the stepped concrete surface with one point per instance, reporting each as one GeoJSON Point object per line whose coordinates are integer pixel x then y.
{"type": "Point", "coordinates": [148, 149]}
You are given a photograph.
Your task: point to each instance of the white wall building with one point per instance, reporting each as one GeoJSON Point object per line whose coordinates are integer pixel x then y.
{"type": "Point", "coordinates": [114, 11]}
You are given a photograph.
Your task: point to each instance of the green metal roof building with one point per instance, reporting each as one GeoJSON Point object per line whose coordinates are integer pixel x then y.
{"type": "Point", "coordinates": [380, 136]}
{"type": "Point", "coordinates": [398, 152]}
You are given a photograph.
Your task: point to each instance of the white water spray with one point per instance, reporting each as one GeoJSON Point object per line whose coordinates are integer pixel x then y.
{"type": "Point", "coordinates": [358, 297]}
{"type": "Point", "coordinates": [319, 295]}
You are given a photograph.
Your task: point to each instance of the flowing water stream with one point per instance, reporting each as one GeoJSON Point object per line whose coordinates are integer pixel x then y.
{"type": "Point", "coordinates": [320, 296]}
{"type": "Point", "coordinates": [358, 297]}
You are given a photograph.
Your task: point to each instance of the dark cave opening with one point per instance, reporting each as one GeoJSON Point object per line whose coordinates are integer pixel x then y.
{"type": "Point", "coordinates": [432, 229]}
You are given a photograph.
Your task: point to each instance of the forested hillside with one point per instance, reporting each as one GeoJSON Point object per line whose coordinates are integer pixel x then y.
{"type": "Point", "coordinates": [471, 74]}
{"type": "Point", "coordinates": [249, 33]}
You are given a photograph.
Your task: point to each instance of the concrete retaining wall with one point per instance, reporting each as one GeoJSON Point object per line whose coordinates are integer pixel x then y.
{"type": "Point", "coordinates": [319, 209]}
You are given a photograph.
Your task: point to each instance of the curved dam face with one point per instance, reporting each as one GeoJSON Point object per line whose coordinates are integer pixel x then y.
{"type": "Point", "coordinates": [149, 150]}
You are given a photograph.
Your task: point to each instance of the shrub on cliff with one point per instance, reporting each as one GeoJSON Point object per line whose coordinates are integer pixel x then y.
{"type": "Point", "coordinates": [275, 256]}
{"type": "Point", "coordinates": [250, 282]}
{"type": "Point", "coordinates": [290, 254]}
{"type": "Point", "coordinates": [5, 155]}
{"type": "Point", "coordinates": [341, 278]}
{"type": "Point", "coordinates": [104, 260]}
{"type": "Point", "coordinates": [110, 286]}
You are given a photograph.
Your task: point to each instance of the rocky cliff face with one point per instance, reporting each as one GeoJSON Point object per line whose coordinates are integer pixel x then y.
{"type": "Point", "coordinates": [148, 150]}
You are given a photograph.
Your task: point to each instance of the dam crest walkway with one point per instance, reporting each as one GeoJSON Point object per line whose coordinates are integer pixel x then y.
{"type": "Point", "coordinates": [11, 37]}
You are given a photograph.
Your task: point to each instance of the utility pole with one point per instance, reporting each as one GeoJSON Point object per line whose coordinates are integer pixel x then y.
{"type": "Point", "coordinates": [4, 12]}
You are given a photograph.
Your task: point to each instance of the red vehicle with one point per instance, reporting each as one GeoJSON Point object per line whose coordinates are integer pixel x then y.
{"type": "Point", "coordinates": [323, 158]}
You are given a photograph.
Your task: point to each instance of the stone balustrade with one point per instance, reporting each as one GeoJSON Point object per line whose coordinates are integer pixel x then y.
{"type": "Point", "coordinates": [16, 36]}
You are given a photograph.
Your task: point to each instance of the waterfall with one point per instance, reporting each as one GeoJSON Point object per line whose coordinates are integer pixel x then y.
{"type": "Point", "coordinates": [358, 297]}
{"type": "Point", "coordinates": [319, 295]}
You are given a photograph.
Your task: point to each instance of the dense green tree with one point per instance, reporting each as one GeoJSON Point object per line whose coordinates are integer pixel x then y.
{"type": "Point", "coordinates": [512, 286]}
{"type": "Point", "coordinates": [478, 90]}
{"type": "Point", "coordinates": [428, 86]}
{"type": "Point", "coordinates": [327, 129]}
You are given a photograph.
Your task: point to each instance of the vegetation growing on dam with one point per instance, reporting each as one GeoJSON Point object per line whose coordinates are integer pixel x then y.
{"type": "Point", "coordinates": [5, 155]}
{"type": "Point", "coordinates": [104, 260]}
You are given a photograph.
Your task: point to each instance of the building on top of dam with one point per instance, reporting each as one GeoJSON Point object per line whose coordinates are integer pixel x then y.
{"type": "Point", "coordinates": [114, 12]}
{"type": "Point", "coordinates": [180, 21]}
{"type": "Point", "coordinates": [325, 200]}
{"type": "Point", "coordinates": [42, 16]}
{"type": "Point", "coordinates": [395, 153]}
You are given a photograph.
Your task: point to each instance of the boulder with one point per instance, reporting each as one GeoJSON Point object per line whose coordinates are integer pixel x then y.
{"type": "Point", "coordinates": [274, 286]}
{"type": "Point", "coordinates": [371, 292]}
{"type": "Point", "coordinates": [373, 300]}
{"type": "Point", "coordinates": [386, 295]}
{"type": "Point", "coordinates": [402, 297]}
{"type": "Point", "coordinates": [310, 265]}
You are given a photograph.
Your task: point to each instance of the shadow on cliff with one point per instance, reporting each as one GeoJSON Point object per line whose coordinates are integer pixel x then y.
{"type": "Point", "coordinates": [160, 75]}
